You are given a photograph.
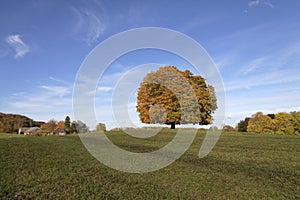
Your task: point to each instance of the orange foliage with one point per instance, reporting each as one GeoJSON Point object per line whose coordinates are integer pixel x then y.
{"type": "Point", "coordinates": [177, 96]}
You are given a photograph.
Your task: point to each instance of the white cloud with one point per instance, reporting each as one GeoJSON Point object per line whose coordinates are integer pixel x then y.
{"type": "Point", "coordinates": [268, 4]}
{"type": "Point", "coordinates": [254, 64]}
{"type": "Point", "coordinates": [225, 60]}
{"type": "Point", "coordinates": [18, 45]}
{"type": "Point", "coordinates": [56, 90]}
{"type": "Point", "coordinates": [45, 96]}
{"type": "Point", "coordinates": [59, 81]}
{"type": "Point", "coordinates": [264, 79]}
{"type": "Point", "coordinates": [268, 83]}
{"type": "Point", "coordinates": [281, 66]}
{"type": "Point", "coordinates": [90, 24]}
{"type": "Point", "coordinates": [104, 88]}
{"type": "Point", "coordinates": [28, 105]}
{"type": "Point", "coordinates": [254, 3]}
{"type": "Point", "coordinates": [44, 102]}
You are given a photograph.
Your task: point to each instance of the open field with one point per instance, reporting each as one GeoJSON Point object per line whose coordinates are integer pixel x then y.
{"type": "Point", "coordinates": [241, 166]}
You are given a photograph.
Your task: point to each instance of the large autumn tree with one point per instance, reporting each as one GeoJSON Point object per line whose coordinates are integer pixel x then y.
{"type": "Point", "coordinates": [170, 96]}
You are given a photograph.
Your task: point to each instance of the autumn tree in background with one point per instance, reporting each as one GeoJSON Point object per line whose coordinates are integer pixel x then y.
{"type": "Point", "coordinates": [60, 124]}
{"type": "Point", "coordinates": [170, 96]}
{"type": "Point", "coordinates": [228, 128]}
{"type": "Point", "coordinates": [260, 123]}
{"type": "Point", "coordinates": [100, 127]}
{"type": "Point", "coordinates": [67, 124]}
{"type": "Point", "coordinates": [296, 121]}
{"type": "Point", "coordinates": [243, 124]}
{"type": "Point", "coordinates": [49, 126]}
{"type": "Point", "coordinates": [81, 127]}
{"type": "Point", "coordinates": [283, 123]}
{"type": "Point", "coordinates": [10, 123]}
{"type": "Point", "coordinates": [280, 123]}
{"type": "Point", "coordinates": [73, 128]}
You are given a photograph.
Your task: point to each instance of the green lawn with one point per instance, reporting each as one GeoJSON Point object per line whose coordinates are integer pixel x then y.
{"type": "Point", "coordinates": [241, 166]}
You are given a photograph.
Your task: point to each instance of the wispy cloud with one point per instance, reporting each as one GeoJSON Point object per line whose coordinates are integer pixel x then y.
{"type": "Point", "coordinates": [52, 100]}
{"type": "Point", "coordinates": [254, 3]}
{"type": "Point", "coordinates": [269, 83]}
{"type": "Point", "coordinates": [20, 47]}
{"type": "Point", "coordinates": [263, 79]}
{"type": "Point", "coordinates": [46, 96]}
{"type": "Point", "coordinates": [90, 24]}
{"type": "Point", "coordinates": [254, 64]}
{"type": "Point", "coordinates": [27, 105]}
{"type": "Point", "coordinates": [275, 61]}
{"type": "Point", "coordinates": [280, 66]}
{"type": "Point", "coordinates": [224, 60]}
{"type": "Point", "coordinates": [59, 91]}
{"type": "Point", "coordinates": [104, 88]}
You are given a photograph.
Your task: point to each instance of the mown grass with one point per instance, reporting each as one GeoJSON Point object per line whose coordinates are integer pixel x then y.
{"type": "Point", "coordinates": [241, 166]}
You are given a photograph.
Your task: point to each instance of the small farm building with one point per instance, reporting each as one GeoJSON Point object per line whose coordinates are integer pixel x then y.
{"type": "Point", "coordinates": [33, 130]}
{"type": "Point", "coordinates": [59, 131]}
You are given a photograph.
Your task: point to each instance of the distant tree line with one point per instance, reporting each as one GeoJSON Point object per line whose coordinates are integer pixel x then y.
{"type": "Point", "coordinates": [68, 126]}
{"type": "Point", "coordinates": [10, 123]}
{"type": "Point", "coordinates": [280, 123]}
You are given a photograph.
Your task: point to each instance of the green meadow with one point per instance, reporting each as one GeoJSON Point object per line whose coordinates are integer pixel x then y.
{"type": "Point", "coordinates": [241, 166]}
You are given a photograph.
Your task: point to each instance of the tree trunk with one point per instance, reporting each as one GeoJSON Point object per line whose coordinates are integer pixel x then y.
{"type": "Point", "coordinates": [172, 125]}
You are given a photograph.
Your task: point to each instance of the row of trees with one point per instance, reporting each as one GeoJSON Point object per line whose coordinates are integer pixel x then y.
{"type": "Point", "coordinates": [68, 126]}
{"type": "Point", "coordinates": [10, 123]}
{"type": "Point", "coordinates": [280, 123]}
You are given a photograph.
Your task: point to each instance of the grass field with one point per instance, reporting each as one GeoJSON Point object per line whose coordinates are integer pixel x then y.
{"type": "Point", "coordinates": [241, 166]}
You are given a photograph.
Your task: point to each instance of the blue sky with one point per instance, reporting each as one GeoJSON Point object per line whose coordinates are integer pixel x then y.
{"type": "Point", "coordinates": [255, 45]}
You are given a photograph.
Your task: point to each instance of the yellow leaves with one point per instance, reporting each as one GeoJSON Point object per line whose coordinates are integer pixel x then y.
{"type": "Point", "coordinates": [175, 90]}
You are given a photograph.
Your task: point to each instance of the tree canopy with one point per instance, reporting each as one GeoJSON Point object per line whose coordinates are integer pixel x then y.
{"type": "Point", "coordinates": [279, 123]}
{"type": "Point", "coordinates": [10, 123]}
{"type": "Point", "coordinates": [81, 127]}
{"type": "Point", "coordinates": [67, 124]}
{"type": "Point", "coordinates": [100, 127]}
{"type": "Point", "coordinates": [49, 126]}
{"type": "Point", "coordinates": [243, 124]}
{"type": "Point", "coordinates": [171, 96]}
